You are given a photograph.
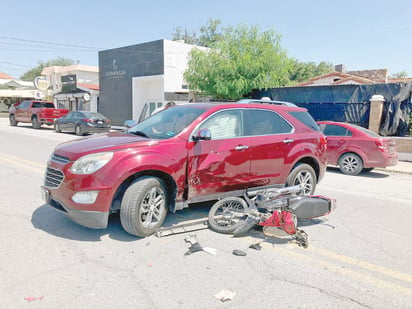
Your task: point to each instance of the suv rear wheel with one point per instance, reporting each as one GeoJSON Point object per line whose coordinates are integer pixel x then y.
{"type": "Point", "coordinates": [143, 208]}
{"type": "Point", "coordinates": [304, 175]}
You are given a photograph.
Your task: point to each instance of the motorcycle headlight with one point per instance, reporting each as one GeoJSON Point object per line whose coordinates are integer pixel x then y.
{"type": "Point", "coordinates": [90, 163]}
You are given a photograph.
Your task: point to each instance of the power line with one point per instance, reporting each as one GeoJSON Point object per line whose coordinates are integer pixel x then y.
{"type": "Point", "coordinates": [51, 43]}
{"type": "Point", "coordinates": [16, 64]}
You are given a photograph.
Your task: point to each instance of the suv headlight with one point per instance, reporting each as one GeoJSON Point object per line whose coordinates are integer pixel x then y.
{"type": "Point", "coordinates": [90, 163]}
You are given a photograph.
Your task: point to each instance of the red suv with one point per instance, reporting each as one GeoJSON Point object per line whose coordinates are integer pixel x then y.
{"type": "Point", "coordinates": [184, 154]}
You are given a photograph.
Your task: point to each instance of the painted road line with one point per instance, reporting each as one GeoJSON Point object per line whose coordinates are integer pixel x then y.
{"type": "Point", "coordinates": [341, 267]}
{"type": "Point", "coordinates": [362, 264]}
{"type": "Point", "coordinates": [350, 273]}
{"type": "Point", "coordinates": [17, 161]}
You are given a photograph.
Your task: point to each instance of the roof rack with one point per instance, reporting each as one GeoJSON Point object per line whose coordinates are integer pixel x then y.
{"type": "Point", "coordinates": [265, 101]}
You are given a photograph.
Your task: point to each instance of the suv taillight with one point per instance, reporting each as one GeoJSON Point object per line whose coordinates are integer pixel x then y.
{"type": "Point", "coordinates": [323, 143]}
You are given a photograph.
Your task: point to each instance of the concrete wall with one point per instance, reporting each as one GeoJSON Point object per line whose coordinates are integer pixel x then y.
{"type": "Point", "coordinates": [117, 68]}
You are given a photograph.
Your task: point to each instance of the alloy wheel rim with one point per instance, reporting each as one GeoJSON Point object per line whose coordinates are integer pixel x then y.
{"type": "Point", "coordinates": [152, 207]}
{"type": "Point", "coordinates": [350, 164]}
{"type": "Point", "coordinates": [305, 180]}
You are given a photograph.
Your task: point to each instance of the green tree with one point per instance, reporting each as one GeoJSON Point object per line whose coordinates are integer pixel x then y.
{"type": "Point", "coordinates": [402, 74]}
{"type": "Point", "coordinates": [241, 59]}
{"type": "Point", "coordinates": [209, 34]}
{"type": "Point", "coordinates": [183, 35]}
{"type": "Point", "coordinates": [303, 71]}
{"type": "Point", "coordinates": [31, 74]}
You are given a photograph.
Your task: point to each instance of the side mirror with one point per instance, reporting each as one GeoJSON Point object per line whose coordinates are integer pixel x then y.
{"type": "Point", "coordinates": [203, 135]}
{"type": "Point", "coordinates": [129, 123]}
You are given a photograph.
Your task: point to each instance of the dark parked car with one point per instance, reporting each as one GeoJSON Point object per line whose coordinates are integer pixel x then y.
{"type": "Point", "coordinates": [81, 122]}
{"type": "Point", "coordinates": [184, 154]}
{"type": "Point", "coordinates": [354, 148]}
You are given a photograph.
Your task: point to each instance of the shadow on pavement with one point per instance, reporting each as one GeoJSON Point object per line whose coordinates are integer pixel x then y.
{"type": "Point", "coordinates": [370, 174]}
{"type": "Point", "coordinates": [55, 223]}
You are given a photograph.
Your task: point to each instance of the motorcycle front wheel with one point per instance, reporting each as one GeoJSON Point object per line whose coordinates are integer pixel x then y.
{"type": "Point", "coordinates": [227, 214]}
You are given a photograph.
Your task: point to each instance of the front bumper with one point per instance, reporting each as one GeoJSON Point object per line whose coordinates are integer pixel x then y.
{"type": "Point", "coordinates": [87, 218]}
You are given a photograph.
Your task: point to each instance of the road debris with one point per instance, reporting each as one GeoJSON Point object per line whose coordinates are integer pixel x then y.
{"type": "Point", "coordinates": [183, 227]}
{"type": "Point", "coordinates": [239, 252]}
{"type": "Point", "coordinates": [32, 298]}
{"type": "Point", "coordinates": [225, 295]}
{"type": "Point", "coordinates": [256, 246]}
{"type": "Point", "coordinates": [196, 247]}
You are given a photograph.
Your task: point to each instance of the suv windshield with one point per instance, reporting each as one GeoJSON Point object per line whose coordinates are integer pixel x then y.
{"type": "Point", "coordinates": [167, 123]}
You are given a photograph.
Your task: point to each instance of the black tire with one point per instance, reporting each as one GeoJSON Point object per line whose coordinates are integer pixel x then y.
{"type": "Point", "coordinates": [227, 214]}
{"type": "Point", "coordinates": [35, 123]}
{"type": "Point", "coordinates": [143, 209]}
{"type": "Point", "coordinates": [350, 164]}
{"type": "Point", "coordinates": [78, 130]}
{"type": "Point", "coordinates": [13, 121]}
{"type": "Point", "coordinates": [304, 175]}
{"type": "Point", "coordinates": [57, 128]}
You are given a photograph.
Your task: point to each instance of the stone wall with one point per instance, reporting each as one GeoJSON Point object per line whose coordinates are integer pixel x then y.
{"type": "Point", "coordinates": [403, 144]}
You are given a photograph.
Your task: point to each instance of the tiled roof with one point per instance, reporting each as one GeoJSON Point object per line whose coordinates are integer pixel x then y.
{"type": "Point", "coordinates": [89, 86]}
{"type": "Point", "coordinates": [5, 76]}
{"type": "Point", "coordinates": [342, 78]}
{"type": "Point", "coordinates": [400, 80]}
{"type": "Point", "coordinates": [357, 79]}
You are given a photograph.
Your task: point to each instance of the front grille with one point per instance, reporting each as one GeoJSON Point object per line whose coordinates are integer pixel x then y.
{"type": "Point", "coordinates": [53, 178]}
{"type": "Point", "coordinates": [59, 159]}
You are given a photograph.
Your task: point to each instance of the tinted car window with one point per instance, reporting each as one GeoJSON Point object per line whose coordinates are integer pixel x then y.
{"type": "Point", "coordinates": [306, 119]}
{"type": "Point", "coordinates": [333, 130]}
{"type": "Point", "coordinates": [364, 130]}
{"type": "Point", "coordinates": [267, 122]}
{"type": "Point", "coordinates": [24, 104]}
{"type": "Point", "coordinates": [93, 115]}
{"type": "Point", "coordinates": [225, 124]}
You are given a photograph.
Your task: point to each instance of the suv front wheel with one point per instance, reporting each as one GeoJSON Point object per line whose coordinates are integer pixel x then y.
{"type": "Point", "coordinates": [143, 209]}
{"type": "Point", "coordinates": [303, 175]}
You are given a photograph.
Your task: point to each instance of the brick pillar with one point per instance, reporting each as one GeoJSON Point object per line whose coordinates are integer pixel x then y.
{"type": "Point", "coordinates": [375, 114]}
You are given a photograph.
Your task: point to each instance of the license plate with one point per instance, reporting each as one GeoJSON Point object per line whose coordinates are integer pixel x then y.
{"type": "Point", "coordinates": [45, 194]}
{"type": "Point", "coordinates": [100, 122]}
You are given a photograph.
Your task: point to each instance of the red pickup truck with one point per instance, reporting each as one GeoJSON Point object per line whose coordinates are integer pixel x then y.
{"type": "Point", "coordinates": [35, 112]}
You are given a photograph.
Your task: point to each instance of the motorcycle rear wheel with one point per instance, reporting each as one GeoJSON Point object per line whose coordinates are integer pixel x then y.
{"type": "Point", "coordinates": [227, 214]}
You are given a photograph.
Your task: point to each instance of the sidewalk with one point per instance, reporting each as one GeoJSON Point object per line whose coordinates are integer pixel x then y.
{"type": "Point", "coordinates": [404, 165]}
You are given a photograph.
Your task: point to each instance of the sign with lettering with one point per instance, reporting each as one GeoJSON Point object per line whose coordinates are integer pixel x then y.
{"type": "Point", "coordinates": [41, 83]}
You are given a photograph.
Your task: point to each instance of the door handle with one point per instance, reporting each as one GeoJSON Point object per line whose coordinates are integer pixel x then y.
{"type": "Point", "coordinates": [288, 141]}
{"type": "Point", "coordinates": [241, 147]}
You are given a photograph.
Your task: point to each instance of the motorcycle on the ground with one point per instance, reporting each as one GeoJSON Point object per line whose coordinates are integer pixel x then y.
{"type": "Point", "coordinates": [279, 208]}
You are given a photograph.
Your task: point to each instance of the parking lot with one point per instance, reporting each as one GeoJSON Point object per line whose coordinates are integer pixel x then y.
{"type": "Point", "coordinates": [359, 256]}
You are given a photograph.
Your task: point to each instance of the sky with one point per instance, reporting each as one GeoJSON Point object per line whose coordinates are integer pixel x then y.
{"type": "Point", "coordinates": [361, 34]}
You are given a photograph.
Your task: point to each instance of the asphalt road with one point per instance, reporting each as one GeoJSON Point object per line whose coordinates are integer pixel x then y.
{"type": "Point", "coordinates": [358, 257]}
